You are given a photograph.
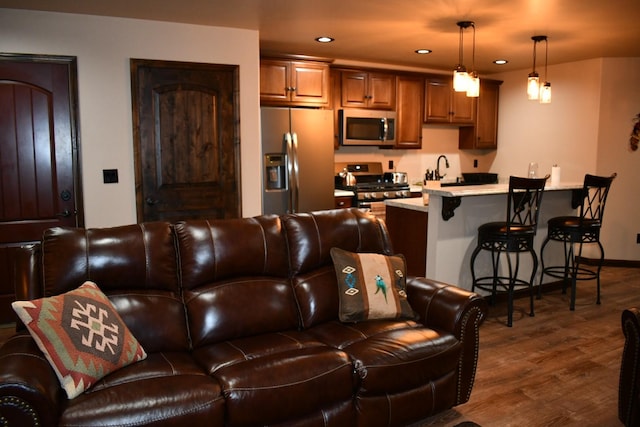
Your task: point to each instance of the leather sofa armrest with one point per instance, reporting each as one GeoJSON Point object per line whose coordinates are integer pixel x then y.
{"type": "Point", "coordinates": [443, 306]}
{"type": "Point", "coordinates": [30, 393]}
{"type": "Point", "coordinates": [455, 310]}
{"type": "Point", "coordinates": [629, 386]}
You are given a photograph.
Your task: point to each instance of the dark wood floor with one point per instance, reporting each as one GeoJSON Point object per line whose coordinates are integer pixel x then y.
{"type": "Point", "coordinates": [559, 368]}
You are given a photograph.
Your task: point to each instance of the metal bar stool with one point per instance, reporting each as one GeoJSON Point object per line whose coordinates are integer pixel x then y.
{"type": "Point", "coordinates": [513, 236]}
{"type": "Point", "coordinates": [575, 231]}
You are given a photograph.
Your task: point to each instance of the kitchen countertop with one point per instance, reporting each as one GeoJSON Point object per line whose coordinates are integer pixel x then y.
{"type": "Point", "coordinates": [488, 189]}
{"type": "Point", "coordinates": [414, 203]}
{"type": "Point", "coordinates": [343, 193]}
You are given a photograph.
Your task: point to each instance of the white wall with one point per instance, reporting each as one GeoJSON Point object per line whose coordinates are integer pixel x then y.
{"type": "Point", "coordinates": [103, 47]}
{"type": "Point", "coordinates": [620, 103]}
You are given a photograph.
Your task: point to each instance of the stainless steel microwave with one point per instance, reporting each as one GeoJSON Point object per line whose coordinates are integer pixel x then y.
{"type": "Point", "coordinates": [367, 127]}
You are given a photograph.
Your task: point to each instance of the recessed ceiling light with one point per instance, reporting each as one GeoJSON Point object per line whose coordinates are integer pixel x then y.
{"type": "Point", "coordinates": [423, 51]}
{"type": "Point", "coordinates": [500, 61]}
{"type": "Point", "coordinates": [324, 39]}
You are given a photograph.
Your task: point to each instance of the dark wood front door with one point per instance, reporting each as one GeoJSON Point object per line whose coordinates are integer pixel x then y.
{"type": "Point", "coordinates": [186, 140]}
{"type": "Point", "coordinates": [39, 179]}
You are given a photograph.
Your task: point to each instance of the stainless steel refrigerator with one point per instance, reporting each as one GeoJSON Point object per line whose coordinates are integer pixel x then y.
{"type": "Point", "coordinates": [297, 155]}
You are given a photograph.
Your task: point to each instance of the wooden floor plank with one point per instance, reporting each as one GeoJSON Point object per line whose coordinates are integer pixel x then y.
{"type": "Point", "coordinates": [558, 368]}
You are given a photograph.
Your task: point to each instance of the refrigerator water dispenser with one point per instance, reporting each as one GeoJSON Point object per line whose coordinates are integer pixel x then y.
{"type": "Point", "coordinates": [275, 171]}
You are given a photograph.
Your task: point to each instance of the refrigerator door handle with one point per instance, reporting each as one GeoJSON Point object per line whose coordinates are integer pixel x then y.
{"type": "Point", "coordinates": [288, 142]}
{"type": "Point", "coordinates": [296, 182]}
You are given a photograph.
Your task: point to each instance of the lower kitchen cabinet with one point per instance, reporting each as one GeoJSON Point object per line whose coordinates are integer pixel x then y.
{"type": "Point", "coordinates": [408, 233]}
{"type": "Point", "coordinates": [343, 202]}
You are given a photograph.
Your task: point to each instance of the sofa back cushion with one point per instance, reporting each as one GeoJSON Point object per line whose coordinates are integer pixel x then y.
{"type": "Point", "coordinates": [310, 237]}
{"type": "Point", "coordinates": [134, 265]}
{"type": "Point", "coordinates": [235, 278]}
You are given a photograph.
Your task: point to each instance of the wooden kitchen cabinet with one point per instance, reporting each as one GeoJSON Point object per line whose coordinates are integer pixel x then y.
{"type": "Point", "coordinates": [294, 83]}
{"type": "Point", "coordinates": [444, 105]}
{"type": "Point", "coordinates": [365, 89]}
{"type": "Point", "coordinates": [410, 90]}
{"type": "Point", "coordinates": [484, 134]}
{"type": "Point", "coordinates": [408, 233]}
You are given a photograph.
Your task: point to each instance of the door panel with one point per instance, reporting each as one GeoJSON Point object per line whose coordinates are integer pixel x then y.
{"type": "Point", "coordinates": [39, 183]}
{"type": "Point", "coordinates": [186, 140]}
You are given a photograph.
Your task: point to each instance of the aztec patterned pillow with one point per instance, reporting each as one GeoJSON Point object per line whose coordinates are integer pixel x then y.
{"type": "Point", "coordinates": [372, 286]}
{"type": "Point", "coordinates": [81, 335]}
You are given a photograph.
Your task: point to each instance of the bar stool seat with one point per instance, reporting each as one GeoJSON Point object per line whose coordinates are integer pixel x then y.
{"type": "Point", "coordinates": [513, 236]}
{"type": "Point", "coordinates": [575, 231]}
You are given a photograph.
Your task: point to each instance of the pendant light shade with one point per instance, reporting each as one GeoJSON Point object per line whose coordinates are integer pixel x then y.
{"type": "Point", "coordinates": [464, 81]}
{"type": "Point", "coordinates": [533, 86]}
{"type": "Point", "coordinates": [545, 93]}
{"type": "Point", "coordinates": [545, 90]}
{"type": "Point", "coordinates": [473, 86]}
{"type": "Point", "coordinates": [460, 78]}
{"type": "Point", "coordinates": [534, 90]}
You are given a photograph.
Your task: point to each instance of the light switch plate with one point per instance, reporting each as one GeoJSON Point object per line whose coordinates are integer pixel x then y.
{"type": "Point", "coordinates": [110, 176]}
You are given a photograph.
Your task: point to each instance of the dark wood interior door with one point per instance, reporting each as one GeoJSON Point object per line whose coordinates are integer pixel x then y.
{"type": "Point", "coordinates": [186, 140]}
{"type": "Point", "coordinates": [39, 182]}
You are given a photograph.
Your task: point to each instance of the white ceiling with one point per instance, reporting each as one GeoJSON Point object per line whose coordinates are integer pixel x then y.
{"type": "Point", "coordinates": [389, 31]}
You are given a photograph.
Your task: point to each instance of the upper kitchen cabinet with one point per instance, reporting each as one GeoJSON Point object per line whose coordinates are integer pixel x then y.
{"type": "Point", "coordinates": [484, 135]}
{"type": "Point", "coordinates": [410, 91]}
{"type": "Point", "coordinates": [444, 105]}
{"type": "Point", "coordinates": [294, 82]}
{"type": "Point", "coordinates": [366, 89]}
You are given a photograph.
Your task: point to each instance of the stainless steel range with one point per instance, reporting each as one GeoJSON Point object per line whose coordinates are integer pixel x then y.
{"type": "Point", "coordinates": [372, 186]}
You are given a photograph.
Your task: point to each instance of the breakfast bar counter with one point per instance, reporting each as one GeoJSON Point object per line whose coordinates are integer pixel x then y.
{"type": "Point", "coordinates": [454, 214]}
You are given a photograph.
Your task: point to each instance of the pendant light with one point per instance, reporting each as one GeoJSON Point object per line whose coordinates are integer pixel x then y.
{"type": "Point", "coordinates": [460, 74]}
{"type": "Point", "coordinates": [473, 84]}
{"type": "Point", "coordinates": [533, 81]}
{"type": "Point", "coordinates": [545, 90]}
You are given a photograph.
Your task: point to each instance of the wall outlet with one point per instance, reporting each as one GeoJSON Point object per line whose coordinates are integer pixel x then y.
{"type": "Point", "coordinates": [475, 163]}
{"type": "Point", "coordinates": [638, 238]}
{"type": "Point", "coordinates": [390, 165]}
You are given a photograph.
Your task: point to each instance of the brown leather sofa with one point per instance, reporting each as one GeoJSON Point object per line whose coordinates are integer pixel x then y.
{"type": "Point", "coordinates": [240, 322]}
{"type": "Point", "coordinates": [629, 390]}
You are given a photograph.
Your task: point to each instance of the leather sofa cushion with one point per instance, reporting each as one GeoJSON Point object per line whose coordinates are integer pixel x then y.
{"type": "Point", "coordinates": [392, 356]}
{"type": "Point", "coordinates": [234, 290]}
{"type": "Point", "coordinates": [134, 265]}
{"type": "Point", "coordinates": [286, 385]}
{"type": "Point", "coordinates": [140, 256]}
{"type": "Point", "coordinates": [238, 308]}
{"type": "Point", "coordinates": [215, 250]}
{"type": "Point", "coordinates": [216, 356]}
{"type": "Point", "coordinates": [172, 401]}
{"type": "Point", "coordinates": [310, 237]}
{"type": "Point", "coordinates": [166, 388]}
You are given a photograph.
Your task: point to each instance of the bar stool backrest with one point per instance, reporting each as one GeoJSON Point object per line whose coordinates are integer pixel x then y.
{"type": "Point", "coordinates": [594, 193]}
{"type": "Point", "coordinates": [523, 204]}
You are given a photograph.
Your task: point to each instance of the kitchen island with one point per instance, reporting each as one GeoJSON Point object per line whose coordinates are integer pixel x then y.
{"type": "Point", "coordinates": [452, 218]}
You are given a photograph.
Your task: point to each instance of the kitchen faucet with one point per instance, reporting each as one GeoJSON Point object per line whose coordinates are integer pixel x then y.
{"type": "Point", "coordinates": [446, 163]}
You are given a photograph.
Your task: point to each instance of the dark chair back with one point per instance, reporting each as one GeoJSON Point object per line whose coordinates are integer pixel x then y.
{"type": "Point", "coordinates": [594, 197]}
{"type": "Point", "coordinates": [523, 204]}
